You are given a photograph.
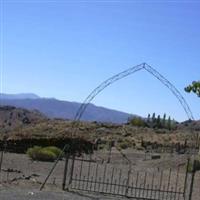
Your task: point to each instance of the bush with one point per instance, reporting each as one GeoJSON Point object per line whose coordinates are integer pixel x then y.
{"type": "Point", "coordinates": [55, 150]}
{"type": "Point", "coordinates": [44, 154]}
{"type": "Point", "coordinates": [137, 121]}
{"type": "Point", "coordinates": [32, 152]}
{"type": "Point", "coordinates": [125, 144]}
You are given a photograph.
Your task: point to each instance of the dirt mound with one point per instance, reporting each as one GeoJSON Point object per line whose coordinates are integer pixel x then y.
{"type": "Point", "coordinates": [12, 117]}
{"type": "Point", "coordinates": [190, 125]}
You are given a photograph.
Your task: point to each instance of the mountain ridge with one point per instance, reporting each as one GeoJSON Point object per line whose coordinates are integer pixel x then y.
{"type": "Point", "coordinates": [19, 96]}
{"type": "Point", "coordinates": [54, 108]}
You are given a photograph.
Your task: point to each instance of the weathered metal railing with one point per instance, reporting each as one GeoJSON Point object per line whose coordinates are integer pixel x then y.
{"type": "Point", "coordinates": [104, 178]}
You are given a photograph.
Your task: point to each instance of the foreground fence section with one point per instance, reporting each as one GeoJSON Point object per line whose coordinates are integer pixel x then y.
{"type": "Point", "coordinates": [87, 175]}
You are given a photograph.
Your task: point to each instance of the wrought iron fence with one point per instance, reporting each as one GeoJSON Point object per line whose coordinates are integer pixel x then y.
{"type": "Point", "coordinates": [87, 175]}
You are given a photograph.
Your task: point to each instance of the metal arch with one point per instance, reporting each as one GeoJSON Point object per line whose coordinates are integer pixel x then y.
{"type": "Point", "coordinates": [103, 85]}
{"type": "Point", "coordinates": [110, 81]}
{"type": "Point", "coordinates": [128, 72]}
{"type": "Point", "coordinates": [172, 88]}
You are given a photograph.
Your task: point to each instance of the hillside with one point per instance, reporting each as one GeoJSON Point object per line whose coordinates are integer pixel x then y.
{"type": "Point", "coordinates": [21, 124]}
{"type": "Point", "coordinates": [190, 125]}
{"type": "Point", "coordinates": [11, 117]}
{"type": "Point", "coordinates": [54, 108]}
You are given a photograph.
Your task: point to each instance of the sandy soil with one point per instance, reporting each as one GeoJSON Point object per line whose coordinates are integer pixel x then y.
{"type": "Point", "coordinates": [21, 177]}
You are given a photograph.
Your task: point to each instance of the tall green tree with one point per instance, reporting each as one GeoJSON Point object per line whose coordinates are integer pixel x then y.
{"type": "Point", "coordinates": [194, 87]}
{"type": "Point", "coordinates": [148, 118]}
{"type": "Point", "coordinates": [158, 122]}
{"type": "Point", "coordinates": [154, 117]}
{"type": "Point", "coordinates": [164, 120]}
{"type": "Point", "coordinates": [169, 123]}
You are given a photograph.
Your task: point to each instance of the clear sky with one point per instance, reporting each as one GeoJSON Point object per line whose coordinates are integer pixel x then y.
{"type": "Point", "coordinates": [64, 49]}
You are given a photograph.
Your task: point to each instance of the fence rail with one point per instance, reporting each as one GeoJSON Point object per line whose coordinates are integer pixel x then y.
{"type": "Point", "coordinates": [157, 184]}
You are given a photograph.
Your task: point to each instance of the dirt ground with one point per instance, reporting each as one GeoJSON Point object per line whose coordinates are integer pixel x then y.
{"type": "Point", "coordinates": [27, 191]}
{"type": "Point", "coordinates": [21, 177]}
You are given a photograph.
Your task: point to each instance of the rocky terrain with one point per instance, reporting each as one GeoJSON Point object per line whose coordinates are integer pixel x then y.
{"type": "Point", "coordinates": [21, 128]}
{"type": "Point", "coordinates": [17, 124]}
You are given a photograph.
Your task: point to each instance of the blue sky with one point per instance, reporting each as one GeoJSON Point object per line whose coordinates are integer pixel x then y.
{"type": "Point", "coordinates": [64, 49]}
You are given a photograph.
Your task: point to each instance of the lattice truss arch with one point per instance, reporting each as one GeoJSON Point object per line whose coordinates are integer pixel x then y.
{"type": "Point", "coordinates": [110, 81]}
{"type": "Point", "coordinates": [126, 73]}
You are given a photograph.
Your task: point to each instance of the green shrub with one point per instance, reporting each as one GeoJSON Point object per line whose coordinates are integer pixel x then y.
{"type": "Point", "coordinates": [125, 144]}
{"type": "Point", "coordinates": [54, 149]}
{"type": "Point", "coordinates": [44, 154]}
{"type": "Point", "coordinates": [32, 152]}
{"type": "Point", "coordinates": [137, 121]}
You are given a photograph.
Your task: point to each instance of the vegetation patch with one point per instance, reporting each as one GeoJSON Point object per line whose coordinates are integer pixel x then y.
{"type": "Point", "coordinates": [50, 153]}
{"type": "Point", "coordinates": [191, 166]}
{"type": "Point", "coordinates": [54, 149]}
{"type": "Point", "coordinates": [125, 144]}
{"type": "Point", "coordinates": [197, 167]}
{"type": "Point", "coordinates": [155, 122]}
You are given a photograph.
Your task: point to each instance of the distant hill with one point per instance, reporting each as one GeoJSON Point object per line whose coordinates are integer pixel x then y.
{"type": "Point", "coordinates": [190, 125]}
{"type": "Point", "coordinates": [54, 108]}
{"type": "Point", "coordinates": [11, 117]}
{"type": "Point", "coordinates": [19, 96]}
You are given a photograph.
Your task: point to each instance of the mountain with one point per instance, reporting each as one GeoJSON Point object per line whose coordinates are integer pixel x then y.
{"type": "Point", "coordinates": [54, 108]}
{"type": "Point", "coordinates": [19, 96]}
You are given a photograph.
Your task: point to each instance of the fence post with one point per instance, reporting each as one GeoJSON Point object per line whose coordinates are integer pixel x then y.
{"type": "Point", "coordinates": [72, 170]}
{"type": "Point", "coordinates": [186, 177]}
{"type": "Point", "coordinates": [127, 183]}
{"type": "Point", "coordinates": [110, 150]}
{"type": "Point", "coordinates": [192, 179]}
{"type": "Point", "coordinates": [65, 170]}
{"type": "Point", "coordinates": [3, 150]}
{"type": "Point", "coordinates": [1, 159]}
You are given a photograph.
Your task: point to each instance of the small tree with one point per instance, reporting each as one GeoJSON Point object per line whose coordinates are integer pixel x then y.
{"type": "Point", "coordinates": [164, 120]}
{"type": "Point", "coordinates": [194, 87]}
{"type": "Point", "coordinates": [158, 122]}
{"type": "Point", "coordinates": [148, 118]}
{"type": "Point", "coordinates": [153, 117]}
{"type": "Point", "coordinates": [169, 126]}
